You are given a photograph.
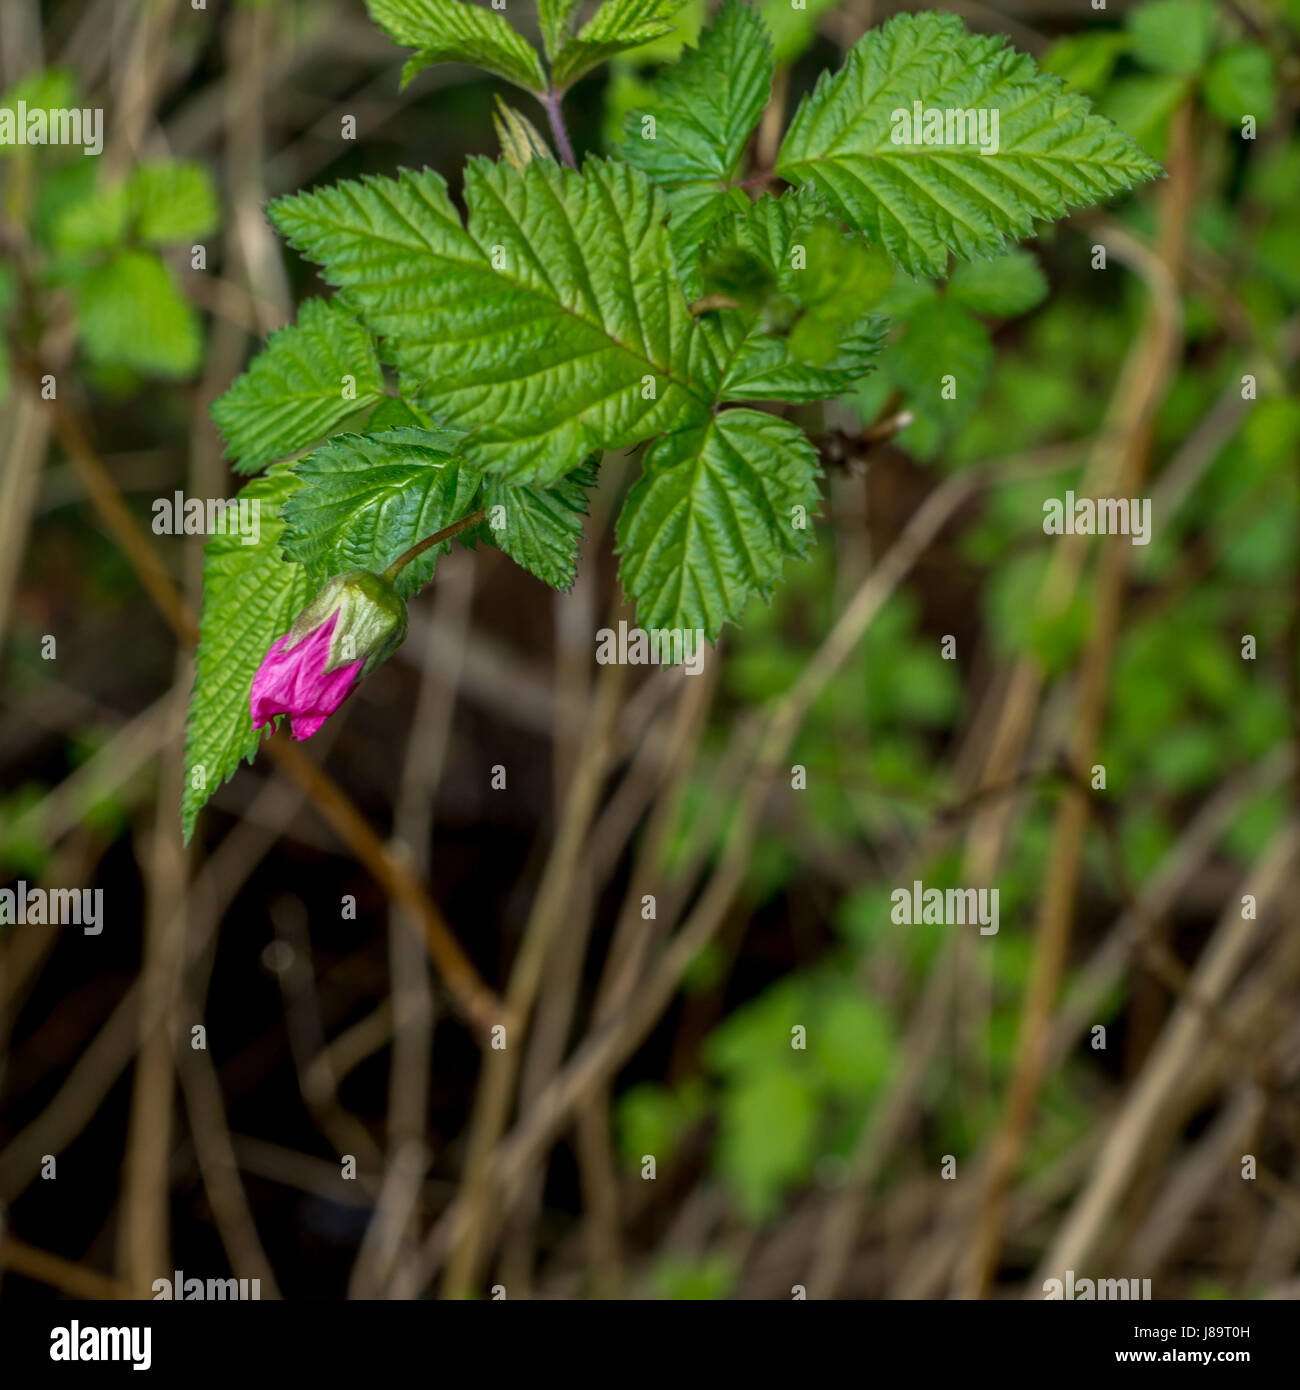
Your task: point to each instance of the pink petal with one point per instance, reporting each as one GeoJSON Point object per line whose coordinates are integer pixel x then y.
{"type": "Point", "coordinates": [294, 681]}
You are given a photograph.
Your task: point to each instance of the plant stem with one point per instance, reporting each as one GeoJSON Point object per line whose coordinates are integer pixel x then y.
{"type": "Point", "coordinates": [437, 538]}
{"type": "Point", "coordinates": [551, 101]}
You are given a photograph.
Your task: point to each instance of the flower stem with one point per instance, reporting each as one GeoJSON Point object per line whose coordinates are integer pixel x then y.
{"type": "Point", "coordinates": [551, 102]}
{"type": "Point", "coordinates": [418, 549]}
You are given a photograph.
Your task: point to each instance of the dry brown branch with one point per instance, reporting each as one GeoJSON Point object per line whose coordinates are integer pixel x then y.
{"type": "Point", "coordinates": [1158, 342]}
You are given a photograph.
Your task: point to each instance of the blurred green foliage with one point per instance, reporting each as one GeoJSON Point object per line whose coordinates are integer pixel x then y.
{"type": "Point", "coordinates": [1036, 339]}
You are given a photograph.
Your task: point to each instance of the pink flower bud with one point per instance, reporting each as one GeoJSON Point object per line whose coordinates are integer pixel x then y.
{"type": "Point", "coordinates": [355, 622]}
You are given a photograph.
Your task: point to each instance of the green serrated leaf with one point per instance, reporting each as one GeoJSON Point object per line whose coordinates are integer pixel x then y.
{"type": "Point", "coordinates": [1172, 35]}
{"type": "Point", "coordinates": [172, 200]}
{"type": "Point", "coordinates": [1003, 287]}
{"type": "Point", "coordinates": [705, 108]}
{"type": "Point", "coordinates": [707, 105]}
{"type": "Point", "coordinates": [552, 327]}
{"type": "Point", "coordinates": [366, 498]}
{"type": "Point", "coordinates": [541, 528]}
{"type": "Point", "coordinates": [617, 26]}
{"type": "Point", "coordinates": [251, 596]}
{"type": "Point", "coordinates": [851, 138]}
{"type": "Point", "coordinates": [718, 509]}
{"type": "Point", "coordinates": [459, 31]}
{"type": "Point", "coordinates": [308, 378]}
{"type": "Point", "coordinates": [131, 315]}
{"type": "Point", "coordinates": [1086, 61]}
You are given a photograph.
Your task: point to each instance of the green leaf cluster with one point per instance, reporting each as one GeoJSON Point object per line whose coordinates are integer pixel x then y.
{"type": "Point", "coordinates": [658, 301]}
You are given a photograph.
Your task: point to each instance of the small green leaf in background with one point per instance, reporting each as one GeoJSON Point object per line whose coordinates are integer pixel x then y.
{"type": "Point", "coordinates": [793, 29]}
{"type": "Point", "coordinates": [1173, 35]}
{"type": "Point", "coordinates": [97, 221]}
{"type": "Point", "coordinates": [1013, 617]}
{"type": "Point", "coordinates": [297, 389]}
{"type": "Point", "coordinates": [852, 1041]}
{"type": "Point", "coordinates": [1086, 61]}
{"type": "Point", "coordinates": [1002, 288]}
{"type": "Point", "coordinates": [653, 1119]}
{"type": "Point", "coordinates": [767, 1139]}
{"type": "Point", "coordinates": [459, 31]}
{"type": "Point", "coordinates": [708, 1278]}
{"type": "Point", "coordinates": [1241, 82]}
{"type": "Point", "coordinates": [1142, 105]}
{"type": "Point", "coordinates": [49, 89]}
{"type": "Point", "coordinates": [172, 200]}
{"type": "Point", "coordinates": [130, 314]}
{"type": "Point", "coordinates": [941, 340]}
